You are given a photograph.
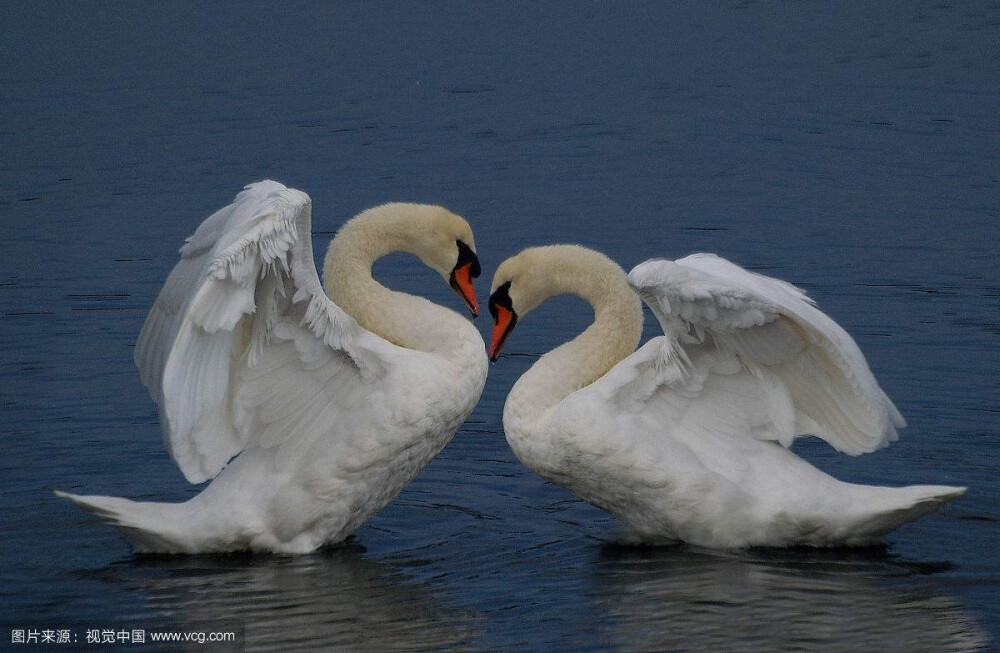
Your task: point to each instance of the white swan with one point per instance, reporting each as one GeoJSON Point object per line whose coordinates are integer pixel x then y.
{"type": "Point", "coordinates": [331, 405]}
{"type": "Point", "coordinates": [680, 439]}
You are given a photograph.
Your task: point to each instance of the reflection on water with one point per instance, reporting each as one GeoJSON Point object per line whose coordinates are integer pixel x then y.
{"type": "Point", "coordinates": [334, 600]}
{"type": "Point", "coordinates": [676, 599]}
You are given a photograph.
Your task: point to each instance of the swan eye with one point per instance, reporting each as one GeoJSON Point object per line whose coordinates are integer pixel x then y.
{"type": "Point", "coordinates": [501, 298]}
{"type": "Point", "coordinates": [466, 256]}
{"type": "Point", "coordinates": [504, 320]}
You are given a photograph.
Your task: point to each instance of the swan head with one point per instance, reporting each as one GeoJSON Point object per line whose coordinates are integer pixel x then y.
{"type": "Point", "coordinates": [447, 245]}
{"type": "Point", "coordinates": [443, 241]}
{"type": "Point", "coordinates": [514, 293]}
{"type": "Point", "coordinates": [525, 280]}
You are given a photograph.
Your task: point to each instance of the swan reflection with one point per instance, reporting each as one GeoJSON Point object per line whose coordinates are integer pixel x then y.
{"type": "Point", "coordinates": [682, 599]}
{"type": "Point", "coordinates": [331, 600]}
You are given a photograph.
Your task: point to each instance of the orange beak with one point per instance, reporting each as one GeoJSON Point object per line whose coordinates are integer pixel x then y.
{"type": "Point", "coordinates": [504, 320]}
{"type": "Point", "coordinates": [461, 281]}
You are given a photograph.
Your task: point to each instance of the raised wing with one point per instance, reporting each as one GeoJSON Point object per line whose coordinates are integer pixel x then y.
{"type": "Point", "coordinates": [722, 321]}
{"type": "Point", "coordinates": [246, 284]}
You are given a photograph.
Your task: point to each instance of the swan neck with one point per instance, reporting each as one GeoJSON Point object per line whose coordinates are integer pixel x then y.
{"type": "Point", "coordinates": [611, 337]}
{"type": "Point", "coordinates": [402, 319]}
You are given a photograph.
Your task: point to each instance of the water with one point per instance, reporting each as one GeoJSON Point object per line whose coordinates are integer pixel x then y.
{"type": "Point", "coordinates": [849, 148]}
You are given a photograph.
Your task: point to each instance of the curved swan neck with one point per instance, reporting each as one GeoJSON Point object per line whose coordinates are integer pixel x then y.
{"type": "Point", "coordinates": [612, 336]}
{"type": "Point", "coordinates": [403, 319]}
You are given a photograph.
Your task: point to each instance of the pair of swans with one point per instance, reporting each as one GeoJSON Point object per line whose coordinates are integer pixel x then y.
{"type": "Point", "coordinates": [311, 409]}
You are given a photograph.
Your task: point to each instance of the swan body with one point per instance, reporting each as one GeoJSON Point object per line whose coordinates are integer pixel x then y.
{"type": "Point", "coordinates": [331, 404]}
{"type": "Point", "coordinates": [686, 438]}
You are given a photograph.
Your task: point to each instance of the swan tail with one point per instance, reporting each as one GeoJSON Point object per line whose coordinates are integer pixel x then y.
{"type": "Point", "coordinates": [151, 526]}
{"type": "Point", "coordinates": [893, 507]}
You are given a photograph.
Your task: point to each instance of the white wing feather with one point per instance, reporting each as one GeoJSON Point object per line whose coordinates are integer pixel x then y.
{"type": "Point", "coordinates": [716, 314]}
{"type": "Point", "coordinates": [246, 283]}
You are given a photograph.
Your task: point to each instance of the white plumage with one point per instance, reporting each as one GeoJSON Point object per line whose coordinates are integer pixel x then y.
{"type": "Point", "coordinates": [247, 356]}
{"type": "Point", "coordinates": [683, 438]}
{"type": "Point", "coordinates": [772, 327]}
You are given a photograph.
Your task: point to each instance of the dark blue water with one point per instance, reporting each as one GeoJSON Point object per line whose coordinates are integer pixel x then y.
{"type": "Point", "coordinates": [851, 148]}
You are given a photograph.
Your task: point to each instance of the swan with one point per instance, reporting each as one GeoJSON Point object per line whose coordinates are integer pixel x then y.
{"type": "Point", "coordinates": [685, 439]}
{"type": "Point", "coordinates": [331, 402]}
